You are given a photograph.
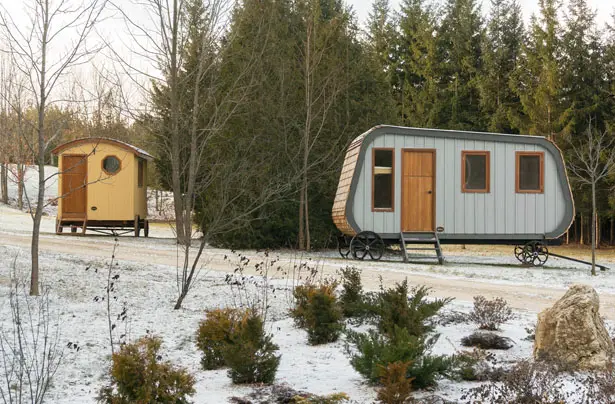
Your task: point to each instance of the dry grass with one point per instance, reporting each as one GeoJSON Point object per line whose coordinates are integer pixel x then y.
{"type": "Point", "coordinates": [572, 250]}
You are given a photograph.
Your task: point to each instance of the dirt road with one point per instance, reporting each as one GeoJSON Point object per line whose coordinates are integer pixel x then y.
{"type": "Point", "coordinates": [463, 287]}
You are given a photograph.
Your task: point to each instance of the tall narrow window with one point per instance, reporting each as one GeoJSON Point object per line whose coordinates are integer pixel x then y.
{"type": "Point", "coordinates": [141, 173]}
{"type": "Point", "coordinates": [530, 172]}
{"type": "Point", "coordinates": [382, 179]}
{"type": "Point", "coordinates": [475, 171]}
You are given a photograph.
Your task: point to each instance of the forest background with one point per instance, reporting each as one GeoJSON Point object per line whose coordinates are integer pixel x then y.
{"type": "Point", "coordinates": [286, 85]}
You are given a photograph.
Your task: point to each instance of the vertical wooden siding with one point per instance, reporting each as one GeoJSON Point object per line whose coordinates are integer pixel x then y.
{"type": "Point", "coordinates": [113, 196]}
{"type": "Point", "coordinates": [501, 211]}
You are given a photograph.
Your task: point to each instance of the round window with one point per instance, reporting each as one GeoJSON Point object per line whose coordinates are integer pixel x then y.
{"type": "Point", "coordinates": [111, 165]}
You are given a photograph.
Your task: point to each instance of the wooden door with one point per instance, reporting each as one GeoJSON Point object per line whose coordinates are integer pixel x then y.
{"type": "Point", "coordinates": [418, 190]}
{"type": "Point", "coordinates": [74, 187]}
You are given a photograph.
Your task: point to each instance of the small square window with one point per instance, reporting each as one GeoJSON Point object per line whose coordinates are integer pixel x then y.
{"type": "Point", "coordinates": [475, 171]}
{"type": "Point", "coordinates": [382, 179]}
{"type": "Point", "coordinates": [530, 172]}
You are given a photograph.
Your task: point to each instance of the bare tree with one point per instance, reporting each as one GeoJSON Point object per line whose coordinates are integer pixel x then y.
{"type": "Point", "coordinates": [44, 51]}
{"type": "Point", "coordinates": [197, 111]}
{"type": "Point", "coordinates": [30, 350]}
{"type": "Point", "coordinates": [591, 160]}
{"type": "Point", "coordinates": [324, 82]}
{"type": "Point", "coordinates": [5, 112]}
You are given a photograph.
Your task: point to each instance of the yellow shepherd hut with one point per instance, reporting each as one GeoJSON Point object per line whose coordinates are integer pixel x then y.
{"type": "Point", "coordinates": [102, 187]}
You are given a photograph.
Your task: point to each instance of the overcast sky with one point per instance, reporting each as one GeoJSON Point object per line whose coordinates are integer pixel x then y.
{"type": "Point", "coordinates": [114, 31]}
{"type": "Point", "coordinates": [604, 8]}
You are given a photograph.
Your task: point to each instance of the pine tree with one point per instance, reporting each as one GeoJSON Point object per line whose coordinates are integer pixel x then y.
{"type": "Point", "coordinates": [380, 34]}
{"type": "Point", "coordinates": [501, 49]}
{"type": "Point", "coordinates": [537, 79]}
{"type": "Point", "coordinates": [583, 77]}
{"type": "Point", "coordinates": [348, 94]}
{"type": "Point", "coordinates": [415, 59]}
{"type": "Point", "coordinates": [610, 71]}
{"type": "Point", "coordinates": [460, 39]}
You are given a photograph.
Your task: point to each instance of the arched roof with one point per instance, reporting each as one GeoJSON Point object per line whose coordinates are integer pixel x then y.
{"type": "Point", "coordinates": [101, 140]}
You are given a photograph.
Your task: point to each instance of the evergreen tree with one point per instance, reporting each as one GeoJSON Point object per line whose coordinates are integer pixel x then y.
{"type": "Point", "coordinates": [380, 34]}
{"type": "Point", "coordinates": [537, 78]}
{"type": "Point", "coordinates": [416, 65]}
{"type": "Point", "coordinates": [460, 39]}
{"type": "Point", "coordinates": [348, 94]}
{"type": "Point", "coordinates": [583, 77]}
{"type": "Point", "coordinates": [609, 67]}
{"type": "Point", "coordinates": [501, 49]}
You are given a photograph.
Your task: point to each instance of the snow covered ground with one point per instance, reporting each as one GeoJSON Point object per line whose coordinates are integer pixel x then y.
{"type": "Point", "coordinates": [149, 292]}
{"type": "Point", "coordinates": [74, 268]}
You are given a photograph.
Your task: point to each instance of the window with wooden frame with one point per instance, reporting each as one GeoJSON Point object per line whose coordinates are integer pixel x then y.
{"type": "Point", "coordinates": [141, 173]}
{"type": "Point", "coordinates": [530, 172]}
{"type": "Point", "coordinates": [111, 165]}
{"type": "Point", "coordinates": [383, 177]}
{"type": "Point", "coordinates": [475, 172]}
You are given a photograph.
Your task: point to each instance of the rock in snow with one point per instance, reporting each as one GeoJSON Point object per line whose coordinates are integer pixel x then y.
{"type": "Point", "coordinates": [572, 331]}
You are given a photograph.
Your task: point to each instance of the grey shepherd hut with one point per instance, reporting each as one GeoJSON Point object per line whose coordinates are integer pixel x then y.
{"type": "Point", "coordinates": [425, 186]}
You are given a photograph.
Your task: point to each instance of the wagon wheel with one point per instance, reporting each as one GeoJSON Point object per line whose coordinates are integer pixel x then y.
{"type": "Point", "coordinates": [519, 253]}
{"type": "Point", "coordinates": [533, 253]}
{"type": "Point", "coordinates": [343, 246]}
{"type": "Point", "coordinates": [539, 254]}
{"type": "Point", "coordinates": [367, 243]}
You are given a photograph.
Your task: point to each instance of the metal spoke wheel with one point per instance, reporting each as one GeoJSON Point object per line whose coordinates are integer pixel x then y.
{"type": "Point", "coordinates": [343, 246]}
{"type": "Point", "coordinates": [367, 244]}
{"type": "Point", "coordinates": [533, 253]}
{"type": "Point", "coordinates": [519, 253]}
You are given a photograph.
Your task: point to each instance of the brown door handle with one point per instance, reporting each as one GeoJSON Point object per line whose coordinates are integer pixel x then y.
{"type": "Point", "coordinates": [429, 192]}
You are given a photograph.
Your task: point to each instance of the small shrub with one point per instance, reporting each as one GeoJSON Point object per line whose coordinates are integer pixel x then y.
{"type": "Point", "coordinates": [601, 385]}
{"type": "Point", "coordinates": [372, 351]}
{"type": "Point", "coordinates": [318, 312]}
{"type": "Point", "coordinates": [451, 317]}
{"type": "Point", "coordinates": [138, 376]}
{"type": "Point", "coordinates": [487, 340]}
{"type": "Point", "coordinates": [396, 386]}
{"type": "Point", "coordinates": [531, 333]}
{"type": "Point", "coordinates": [214, 334]}
{"type": "Point", "coordinates": [250, 353]}
{"type": "Point", "coordinates": [527, 382]}
{"type": "Point", "coordinates": [314, 399]}
{"type": "Point", "coordinates": [301, 294]}
{"type": "Point", "coordinates": [490, 314]}
{"type": "Point", "coordinates": [351, 298]}
{"type": "Point", "coordinates": [474, 365]}
{"type": "Point", "coordinates": [283, 393]}
{"type": "Point", "coordinates": [397, 309]}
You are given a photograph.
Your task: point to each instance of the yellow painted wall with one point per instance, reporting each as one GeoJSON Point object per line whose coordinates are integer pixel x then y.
{"type": "Point", "coordinates": [115, 196]}
{"type": "Point", "coordinates": [140, 193]}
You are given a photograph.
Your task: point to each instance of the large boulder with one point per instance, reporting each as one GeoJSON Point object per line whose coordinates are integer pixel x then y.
{"type": "Point", "coordinates": [572, 332]}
